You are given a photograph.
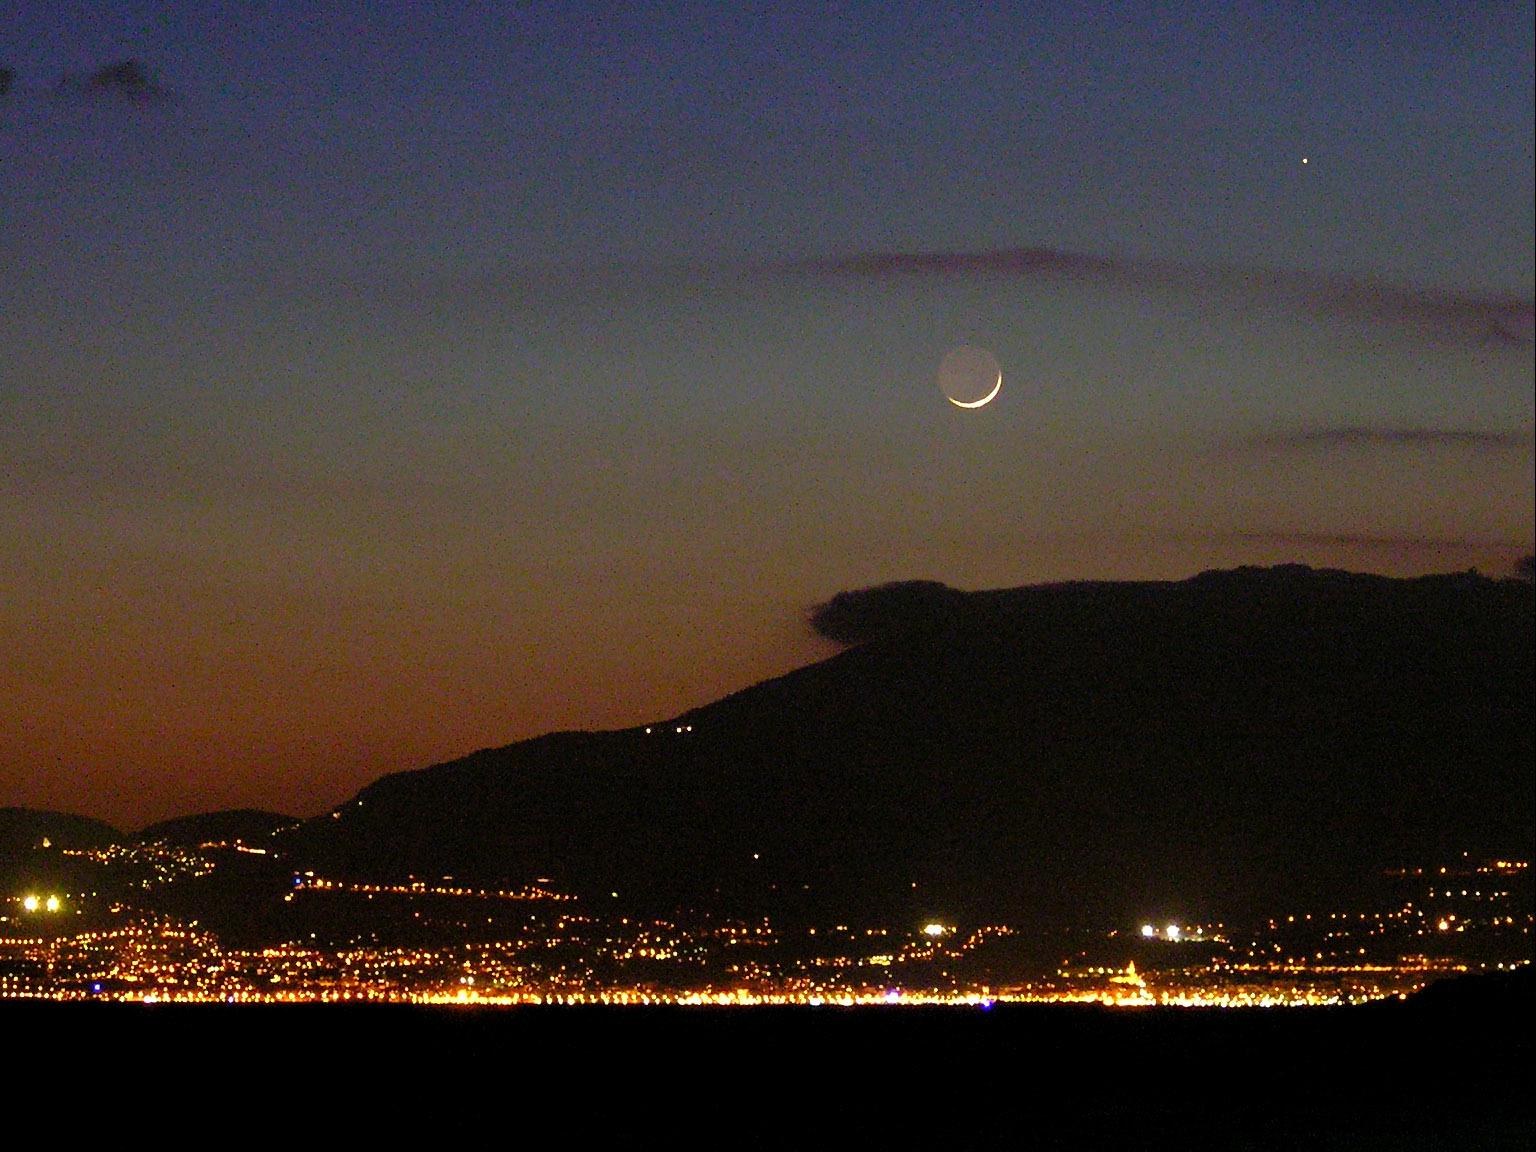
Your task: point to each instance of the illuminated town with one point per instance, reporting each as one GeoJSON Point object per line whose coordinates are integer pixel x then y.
{"type": "Point", "coordinates": [446, 942]}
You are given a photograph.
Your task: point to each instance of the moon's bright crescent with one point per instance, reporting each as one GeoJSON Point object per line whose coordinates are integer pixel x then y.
{"type": "Point", "coordinates": [987, 399]}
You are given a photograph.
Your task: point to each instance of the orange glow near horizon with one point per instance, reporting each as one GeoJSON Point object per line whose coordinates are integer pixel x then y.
{"type": "Point", "coordinates": [163, 701]}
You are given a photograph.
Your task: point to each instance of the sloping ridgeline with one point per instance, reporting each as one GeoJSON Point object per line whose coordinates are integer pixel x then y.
{"type": "Point", "coordinates": [1075, 751]}
{"type": "Point", "coordinates": [239, 825]}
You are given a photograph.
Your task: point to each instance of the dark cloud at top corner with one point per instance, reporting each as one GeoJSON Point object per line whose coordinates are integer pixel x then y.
{"type": "Point", "coordinates": [126, 81]}
{"type": "Point", "coordinates": [862, 614]}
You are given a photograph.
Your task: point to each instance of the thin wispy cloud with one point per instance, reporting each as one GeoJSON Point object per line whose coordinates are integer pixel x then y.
{"type": "Point", "coordinates": [1366, 539]}
{"type": "Point", "coordinates": [1362, 436]}
{"type": "Point", "coordinates": [1399, 544]}
{"type": "Point", "coordinates": [1432, 314]}
{"type": "Point", "coordinates": [125, 82]}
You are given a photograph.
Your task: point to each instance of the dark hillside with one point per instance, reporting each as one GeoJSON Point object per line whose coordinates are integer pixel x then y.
{"type": "Point", "coordinates": [240, 825]}
{"type": "Point", "coordinates": [1238, 738]}
{"type": "Point", "coordinates": [32, 852]}
{"type": "Point", "coordinates": [23, 830]}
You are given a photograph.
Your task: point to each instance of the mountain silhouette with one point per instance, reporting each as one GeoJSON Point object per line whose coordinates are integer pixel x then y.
{"type": "Point", "coordinates": [1241, 739]}
{"type": "Point", "coordinates": [239, 825]}
{"type": "Point", "coordinates": [23, 830]}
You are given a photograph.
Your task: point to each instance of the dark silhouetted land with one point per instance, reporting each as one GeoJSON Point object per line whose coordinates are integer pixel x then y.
{"type": "Point", "coordinates": [1236, 739]}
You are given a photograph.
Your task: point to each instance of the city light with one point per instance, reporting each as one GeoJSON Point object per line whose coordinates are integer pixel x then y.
{"type": "Point", "coordinates": [535, 944]}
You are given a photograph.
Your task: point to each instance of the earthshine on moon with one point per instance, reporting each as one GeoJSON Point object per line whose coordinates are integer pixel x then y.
{"type": "Point", "coordinates": [970, 377]}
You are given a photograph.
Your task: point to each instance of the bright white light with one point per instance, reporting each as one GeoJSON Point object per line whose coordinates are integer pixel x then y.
{"type": "Point", "coordinates": [1148, 931]}
{"type": "Point", "coordinates": [30, 903]}
{"type": "Point", "coordinates": [1172, 932]}
{"type": "Point", "coordinates": [933, 929]}
{"type": "Point", "coordinates": [53, 904]}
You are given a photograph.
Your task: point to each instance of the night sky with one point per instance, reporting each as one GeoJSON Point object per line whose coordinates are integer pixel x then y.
{"type": "Point", "coordinates": [381, 383]}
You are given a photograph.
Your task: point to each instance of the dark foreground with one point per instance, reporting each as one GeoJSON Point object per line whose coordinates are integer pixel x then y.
{"type": "Point", "coordinates": [1451, 1068]}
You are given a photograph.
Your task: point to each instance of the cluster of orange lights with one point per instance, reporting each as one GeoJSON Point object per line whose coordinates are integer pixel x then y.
{"type": "Point", "coordinates": [573, 959]}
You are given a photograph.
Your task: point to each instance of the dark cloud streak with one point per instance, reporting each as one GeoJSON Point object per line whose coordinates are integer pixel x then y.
{"type": "Point", "coordinates": [1367, 437]}
{"type": "Point", "coordinates": [1420, 545]}
{"type": "Point", "coordinates": [125, 81]}
{"type": "Point", "coordinates": [1437, 315]}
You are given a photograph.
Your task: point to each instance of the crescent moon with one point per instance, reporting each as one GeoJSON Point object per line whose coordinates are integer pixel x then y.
{"type": "Point", "coordinates": [987, 399]}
